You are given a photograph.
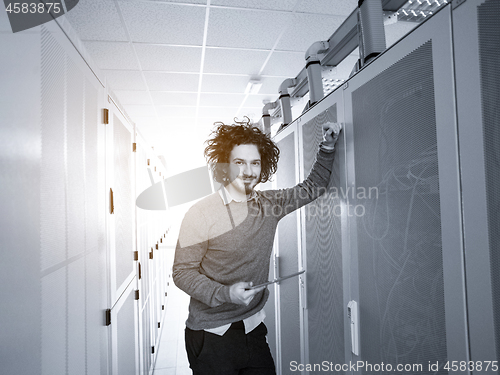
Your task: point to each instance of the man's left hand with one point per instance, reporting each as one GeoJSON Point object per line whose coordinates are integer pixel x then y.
{"type": "Point", "coordinates": [241, 294]}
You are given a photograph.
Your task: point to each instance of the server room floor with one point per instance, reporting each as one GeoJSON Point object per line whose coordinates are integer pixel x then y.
{"type": "Point", "coordinates": [172, 358]}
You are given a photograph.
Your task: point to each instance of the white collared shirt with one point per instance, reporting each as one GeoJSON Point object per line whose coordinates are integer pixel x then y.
{"type": "Point", "coordinates": [227, 198]}
{"type": "Point", "coordinates": [250, 324]}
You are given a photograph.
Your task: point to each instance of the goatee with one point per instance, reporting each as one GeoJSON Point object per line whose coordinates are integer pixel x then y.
{"type": "Point", "coordinates": [248, 188]}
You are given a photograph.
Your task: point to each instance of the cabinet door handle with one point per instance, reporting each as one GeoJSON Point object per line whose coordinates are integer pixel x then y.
{"type": "Point", "coordinates": [111, 203]}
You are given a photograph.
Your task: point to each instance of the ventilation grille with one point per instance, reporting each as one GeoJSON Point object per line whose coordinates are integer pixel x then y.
{"type": "Point", "coordinates": [419, 10]}
{"type": "Point", "coordinates": [489, 58]}
{"type": "Point", "coordinates": [53, 180]}
{"type": "Point", "coordinates": [398, 218]}
{"type": "Point", "coordinates": [324, 255]}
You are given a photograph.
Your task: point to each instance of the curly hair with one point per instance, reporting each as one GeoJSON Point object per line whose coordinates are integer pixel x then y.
{"type": "Point", "coordinates": [225, 137]}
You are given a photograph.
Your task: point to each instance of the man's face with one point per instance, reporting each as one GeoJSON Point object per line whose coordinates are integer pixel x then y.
{"type": "Point", "coordinates": [247, 175]}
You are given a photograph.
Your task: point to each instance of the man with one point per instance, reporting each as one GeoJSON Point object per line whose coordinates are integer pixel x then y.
{"type": "Point", "coordinates": [224, 248]}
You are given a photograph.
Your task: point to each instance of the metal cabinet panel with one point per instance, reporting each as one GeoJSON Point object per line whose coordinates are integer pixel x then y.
{"type": "Point", "coordinates": [153, 259]}
{"type": "Point", "coordinates": [290, 326]}
{"type": "Point", "coordinates": [399, 227]}
{"type": "Point", "coordinates": [72, 247]}
{"type": "Point", "coordinates": [95, 236]}
{"type": "Point", "coordinates": [75, 158]}
{"type": "Point", "coordinates": [123, 257]}
{"type": "Point", "coordinates": [407, 234]}
{"type": "Point", "coordinates": [53, 179]}
{"type": "Point", "coordinates": [397, 248]}
{"type": "Point", "coordinates": [54, 321]}
{"type": "Point", "coordinates": [124, 334]}
{"type": "Point", "coordinates": [476, 38]}
{"type": "Point", "coordinates": [322, 227]}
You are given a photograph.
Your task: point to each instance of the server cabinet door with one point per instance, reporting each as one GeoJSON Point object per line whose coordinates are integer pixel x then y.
{"type": "Point", "coordinates": [406, 225]}
{"type": "Point", "coordinates": [124, 333]}
{"type": "Point", "coordinates": [324, 227]}
{"type": "Point", "coordinates": [290, 320]}
{"type": "Point", "coordinates": [121, 241]}
{"type": "Point", "coordinates": [476, 37]}
{"type": "Point", "coordinates": [73, 264]}
{"type": "Point", "coordinates": [121, 202]}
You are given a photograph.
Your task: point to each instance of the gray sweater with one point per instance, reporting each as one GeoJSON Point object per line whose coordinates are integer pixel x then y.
{"type": "Point", "coordinates": [220, 245]}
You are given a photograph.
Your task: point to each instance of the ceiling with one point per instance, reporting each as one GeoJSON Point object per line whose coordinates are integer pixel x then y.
{"type": "Point", "coordinates": [178, 66]}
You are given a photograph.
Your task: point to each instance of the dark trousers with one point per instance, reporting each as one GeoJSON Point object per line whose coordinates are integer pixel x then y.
{"type": "Point", "coordinates": [234, 353]}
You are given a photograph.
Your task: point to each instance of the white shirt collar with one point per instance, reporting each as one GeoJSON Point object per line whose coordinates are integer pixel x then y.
{"type": "Point", "coordinates": [227, 198]}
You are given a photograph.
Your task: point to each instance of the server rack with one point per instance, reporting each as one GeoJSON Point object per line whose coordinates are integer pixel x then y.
{"type": "Point", "coordinates": [153, 256]}
{"type": "Point", "coordinates": [71, 218]}
{"type": "Point", "coordinates": [415, 242]}
{"type": "Point", "coordinates": [71, 304]}
{"type": "Point", "coordinates": [408, 243]}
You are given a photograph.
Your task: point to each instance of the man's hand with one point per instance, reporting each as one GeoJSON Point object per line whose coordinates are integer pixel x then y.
{"type": "Point", "coordinates": [240, 295]}
{"type": "Point", "coordinates": [331, 132]}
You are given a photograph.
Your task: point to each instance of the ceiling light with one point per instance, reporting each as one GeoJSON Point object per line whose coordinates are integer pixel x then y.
{"type": "Point", "coordinates": [417, 11]}
{"type": "Point", "coordinates": [253, 86]}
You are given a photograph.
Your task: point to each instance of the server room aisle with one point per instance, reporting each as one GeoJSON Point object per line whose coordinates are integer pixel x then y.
{"type": "Point", "coordinates": [172, 358]}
